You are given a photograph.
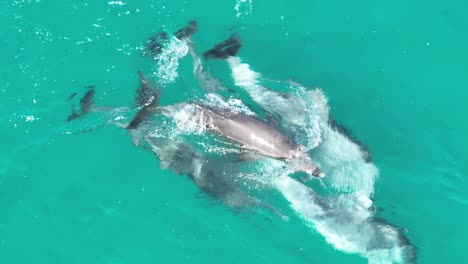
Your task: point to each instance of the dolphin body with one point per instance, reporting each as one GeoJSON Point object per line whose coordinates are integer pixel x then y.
{"type": "Point", "coordinates": [147, 98]}
{"type": "Point", "coordinates": [156, 43]}
{"type": "Point", "coordinates": [86, 103]}
{"type": "Point", "coordinates": [255, 134]}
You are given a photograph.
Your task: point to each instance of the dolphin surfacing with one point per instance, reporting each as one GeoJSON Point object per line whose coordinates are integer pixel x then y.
{"type": "Point", "coordinates": [255, 134]}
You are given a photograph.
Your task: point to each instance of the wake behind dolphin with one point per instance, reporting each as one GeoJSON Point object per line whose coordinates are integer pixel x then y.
{"type": "Point", "coordinates": [348, 225]}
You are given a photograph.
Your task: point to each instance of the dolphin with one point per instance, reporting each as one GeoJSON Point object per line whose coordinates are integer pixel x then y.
{"type": "Point", "coordinates": [86, 103]}
{"type": "Point", "coordinates": [156, 43]}
{"type": "Point", "coordinates": [255, 134]}
{"type": "Point", "coordinates": [225, 49]}
{"type": "Point", "coordinates": [147, 98]}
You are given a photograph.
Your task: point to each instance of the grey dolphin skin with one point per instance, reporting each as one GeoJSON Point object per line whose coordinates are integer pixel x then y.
{"type": "Point", "coordinates": [224, 49]}
{"type": "Point", "coordinates": [86, 102]}
{"type": "Point", "coordinates": [147, 98]}
{"type": "Point", "coordinates": [208, 174]}
{"type": "Point", "coordinates": [156, 43]}
{"type": "Point", "coordinates": [255, 134]}
{"type": "Point", "coordinates": [145, 92]}
{"type": "Point", "coordinates": [187, 31]}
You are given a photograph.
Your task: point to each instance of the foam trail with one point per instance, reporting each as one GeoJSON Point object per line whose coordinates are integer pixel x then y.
{"type": "Point", "coordinates": [346, 222]}
{"type": "Point", "coordinates": [207, 81]}
{"type": "Point", "coordinates": [168, 60]}
{"type": "Point", "coordinates": [248, 79]}
{"type": "Point", "coordinates": [306, 113]}
{"type": "Point", "coordinates": [212, 86]}
{"type": "Point", "coordinates": [346, 170]}
{"type": "Point", "coordinates": [298, 115]}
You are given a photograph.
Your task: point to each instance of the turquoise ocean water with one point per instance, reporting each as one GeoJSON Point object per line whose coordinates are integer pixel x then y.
{"type": "Point", "coordinates": [394, 72]}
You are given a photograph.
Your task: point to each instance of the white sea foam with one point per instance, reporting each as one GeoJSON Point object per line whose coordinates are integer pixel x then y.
{"type": "Point", "coordinates": [168, 60]}
{"type": "Point", "coordinates": [232, 104]}
{"type": "Point", "coordinates": [346, 223]}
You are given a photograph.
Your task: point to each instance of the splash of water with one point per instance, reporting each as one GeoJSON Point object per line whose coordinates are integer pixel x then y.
{"type": "Point", "coordinates": [168, 60]}
{"type": "Point", "coordinates": [305, 113]}
{"type": "Point", "coordinates": [234, 105]}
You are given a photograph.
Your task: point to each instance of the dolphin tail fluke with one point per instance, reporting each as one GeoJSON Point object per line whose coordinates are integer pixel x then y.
{"type": "Point", "coordinates": [225, 49]}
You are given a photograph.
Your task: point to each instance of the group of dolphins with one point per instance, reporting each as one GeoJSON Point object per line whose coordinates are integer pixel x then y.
{"type": "Point", "coordinates": [275, 138]}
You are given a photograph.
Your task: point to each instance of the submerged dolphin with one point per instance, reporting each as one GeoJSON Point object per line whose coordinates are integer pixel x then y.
{"type": "Point", "coordinates": [86, 103]}
{"type": "Point", "coordinates": [217, 179]}
{"type": "Point", "coordinates": [255, 134]}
